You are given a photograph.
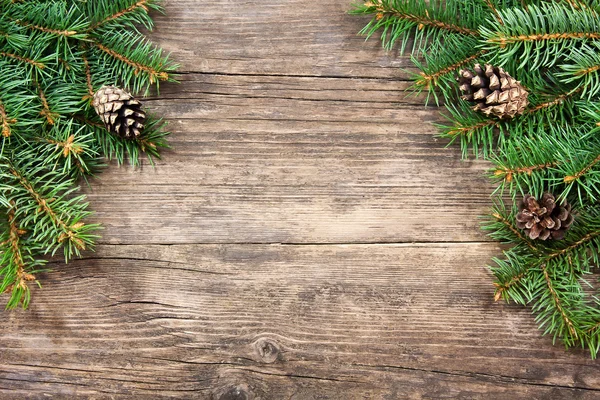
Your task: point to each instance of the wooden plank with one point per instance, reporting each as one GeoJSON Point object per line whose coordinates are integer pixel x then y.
{"type": "Point", "coordinates": [272, 37]}
{"type": "Point", "coordinates": [295, 160]}
{"type": "Point", "coordinates": [288, 128]}
{"type": "Point", "coordinates": [277, 321]}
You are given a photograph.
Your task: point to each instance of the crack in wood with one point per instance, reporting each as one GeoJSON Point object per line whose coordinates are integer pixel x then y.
{"type": "Point", "coordinates": [501, 378]}
{"type": "Point", "coordinates": [313, 377]}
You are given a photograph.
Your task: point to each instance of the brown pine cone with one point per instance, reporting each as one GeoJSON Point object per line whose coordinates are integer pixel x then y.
{"type": "Point", "coordinates": [120, 112]}
{"type": "Point", "coordinates": [493, 91]}
{"type": "Point", "coordinates": [544, 219]}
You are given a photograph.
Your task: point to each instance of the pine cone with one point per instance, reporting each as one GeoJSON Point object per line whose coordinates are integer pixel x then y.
{"type": "Point", "coordinates": [545, 218]}
{"type": "Point", "coordinates": [493, 91]}
{"type": "Point", "coordinates": [120, 112]}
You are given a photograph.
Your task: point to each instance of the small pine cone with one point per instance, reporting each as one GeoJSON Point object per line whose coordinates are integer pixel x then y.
{"type": "Point", "coordinates": [493, 91]}
{"type": "Point", "coordinates": [120, 112]}
{"type": "Point", "coordinates": [544, 219]}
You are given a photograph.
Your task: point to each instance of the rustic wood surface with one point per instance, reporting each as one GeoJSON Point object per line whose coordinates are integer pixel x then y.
{"type": "Point", "coordinates": [307, 237]}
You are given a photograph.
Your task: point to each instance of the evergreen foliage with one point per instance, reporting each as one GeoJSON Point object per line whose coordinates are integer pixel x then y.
{"type": "Point", "coordinates": [553, 48]}
{"type": "Point", "coordinates": [54, 54]}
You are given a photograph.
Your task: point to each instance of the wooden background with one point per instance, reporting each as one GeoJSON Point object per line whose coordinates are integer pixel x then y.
{"type": "Point", "coordinates": [307, 237]}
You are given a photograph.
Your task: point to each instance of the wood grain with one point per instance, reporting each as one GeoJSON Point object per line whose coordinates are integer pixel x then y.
{"type": "Point", "coordinates": [294, 37]}
{"type": "Point", "coordinates": [280, 321]}
{"type": "Point", "coordinates": [295, 160]}
{"type": "Point", "coordinates": [307, 237]}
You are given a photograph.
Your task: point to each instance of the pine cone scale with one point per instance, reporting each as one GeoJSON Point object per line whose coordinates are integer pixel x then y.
{"type": "Point", "coordinates": [120, 112]}
{"type": "Point", "coordinates": [544, 218]}
{"type": "Point", "coordinates": [493, 91]}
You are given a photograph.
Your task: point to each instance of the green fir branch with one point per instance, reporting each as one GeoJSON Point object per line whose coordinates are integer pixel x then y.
{"type": "Point", "coordinates": [552, 48]}
{"type": "Point", "coordinates": [538, 35]}
{"type": "Point", "coordinates": [473, 130]}
{"type": "Point", "coordinates": [130, 13]}
{"type": "Point", "coordinates": [438, 71]}
{"type": "Point", "coordinates": [54, 55]}
{"type": "Point", "coordinates": [54, 210]}
{"type": "Point", "coordinates": [17, 263]}
{"type": "Point", "coordinates": [428, 21]}
{"type": "Point", "coordinates": [582, 68]}
{"type": "Point", "coordinates": [51, 20]}
{"type": "Point", "coordinates": [135, 61]}
{"type": "Point", "coordinates": [548, 275]}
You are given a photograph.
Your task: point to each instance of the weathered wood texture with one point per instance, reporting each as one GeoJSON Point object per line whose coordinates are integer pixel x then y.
{"type": "Point", "coordinates": [307, 237]}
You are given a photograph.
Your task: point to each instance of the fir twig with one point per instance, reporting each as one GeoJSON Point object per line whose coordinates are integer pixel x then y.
{"type": "Point", "coordinates": [5, 121]}
{"type": "Point", "coordinates": [153, 73]}
{"type": "Point", "coordinates": [17, 57]}
{"type": "Point", "coordinates": [143, 4]}
{"type": "Point", "coordinates": [557, 302]}
{"type": "Point", "coordinates": [88, 77]}
{"type": "Point", "coordinates": [384, 9]}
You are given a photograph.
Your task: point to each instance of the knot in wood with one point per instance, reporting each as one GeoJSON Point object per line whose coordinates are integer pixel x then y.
{"type": "Point", "coordinates": [235, 393]}
{"type": "Point", "coordinates": [267, 349]}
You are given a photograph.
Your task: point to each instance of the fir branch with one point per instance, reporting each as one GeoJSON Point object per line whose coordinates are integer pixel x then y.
{"type": "Point", "coordinates": [153, 73]}
{"type": "Point", "coordinates": [50, 116]}
{"type": "Point", "coordinates": [143, 4]}
{"type": "Point", "coordinates": [540, 34]}
{"type": "Point", "coordinates": [503, 288]}
{"type": "Point", "coordinates": [558, 158]}
{"type": "Point", "coordinates": [508, 173]}
{"type": "Point", "coordinates": [20, 287]}
{"type": "Point", "coordinates": [429, 79]}
{"type": "Point", "coordinates": [469, 130]}
{"type": "Point", "coordinates": [593, 328]}
{"type": "Point", "coordinates": [472, 129]}
{"type": "Point", "coordinates": [5, 121]}
{"type": "Point", "coordinates": [52, 56]}
{"type": "Point", "coordinates": [584, 240]}
{"type": "Point", "coordinates": [129, 13]}
{"type": "Point", "coordinates": [88, 77]}
{"type": "Point", "coordinates": [39, 199]}
{"type": "Point", "coordinates": [513, 276]}
{"type": "Point", "coordinates": [580, 173]}
{"type": "Point", "coordinates": [57, 32]}
{"type": "Point", "coordinates": [581, 68]}
{"type": "Point", "coordinates": [56, 20]}
{"type": "Point", "coordinates": [68, 146]}
{"type": "Point", "coordinates": [429, 22]}
{"type": "Point", "coordinates": [17, 57]}
{"type": "Point", "coordinates": [57, 221]}
{"type": "Point", "coordinates": [510, 226]}
{"type": "Point", "coordinates": [476, 131]}
{"type": "Point", "coordinates": [525, 165]}
{"type": "Point", "coordinates": [557, 100]}
{"type": "Point", "coordinates": [494, 10]}
{"type": "Point", "coordinates": [553, 49]}
{"type": "Point", "coordinates": [503, 41]}
{"type": "Point", "coordinates": [557, 302]}
{"type": "Point", "coordinates": [384, 9]}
